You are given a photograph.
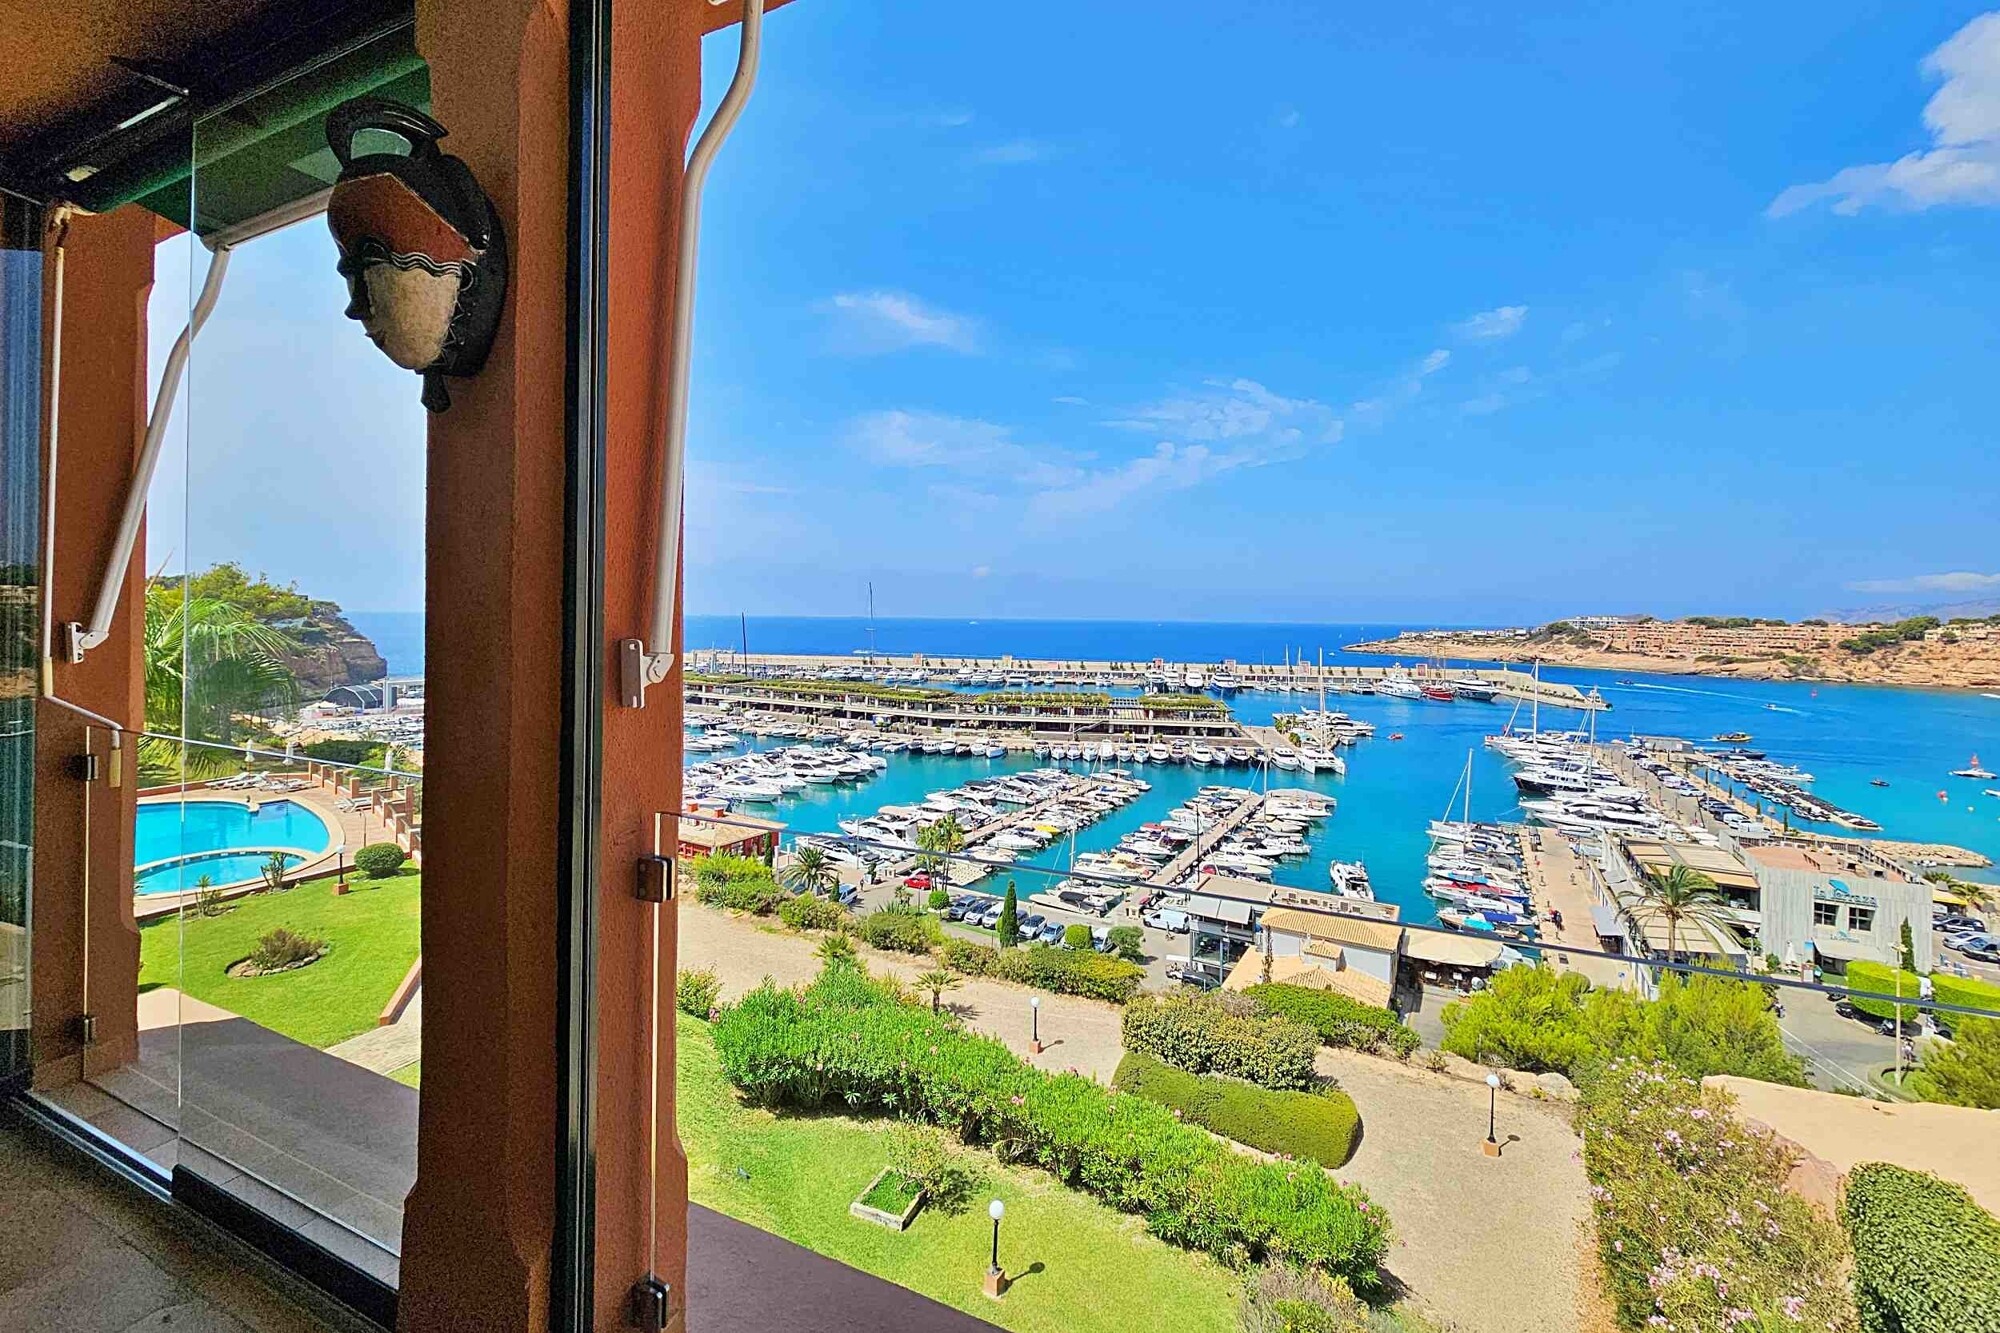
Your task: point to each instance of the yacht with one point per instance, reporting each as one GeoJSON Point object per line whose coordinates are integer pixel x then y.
{"type": "Point", "coordinates": [1194, 679]}
{"type": "Point", "coordinates": [1226, 682]}
{"type": "Point", "coordinates": [1476, 688]}
{"type": "Point", "coordinates": [1973, 770]}
{"type": "Point", "coordinates": [1398, 687]}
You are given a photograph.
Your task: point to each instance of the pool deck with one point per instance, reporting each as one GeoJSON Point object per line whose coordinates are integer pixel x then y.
{"type": "Point", "coordinates": [354, 828]}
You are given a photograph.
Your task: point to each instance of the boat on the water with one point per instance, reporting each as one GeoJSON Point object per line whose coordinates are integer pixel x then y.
{"type": "Point", "coordinates": [1973, 770]}
{"type": "Point", "coordinates": [1733, 737]}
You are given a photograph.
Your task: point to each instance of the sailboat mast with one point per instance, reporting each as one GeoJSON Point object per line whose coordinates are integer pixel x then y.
{"type": "Point", "coordinates": [1535, 695]}
{"type": "Point", "coordinates": [1322, 686]}
{"type": "Point", "coordinates": [744, 620]}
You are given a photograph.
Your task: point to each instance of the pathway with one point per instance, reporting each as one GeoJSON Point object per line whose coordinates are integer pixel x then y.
{"type": "Point", "coordinates": [1492, 1245]}
{"type": "Point", "coordinates": [1559, 879]}
{"type": "Point", "coordinates": [1176, 870]}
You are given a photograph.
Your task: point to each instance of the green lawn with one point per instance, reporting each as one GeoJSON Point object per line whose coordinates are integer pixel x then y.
{"type": "Point", "coordinates": [411, 1075]}
{"type": "Point", "coordinates": [373, 936]}
{"type": "Point", "coordinates": [1078, 1266]}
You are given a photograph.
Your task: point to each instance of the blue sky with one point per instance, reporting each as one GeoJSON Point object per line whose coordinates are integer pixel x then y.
{"type": "Point", "coordinates": [1275, 311]}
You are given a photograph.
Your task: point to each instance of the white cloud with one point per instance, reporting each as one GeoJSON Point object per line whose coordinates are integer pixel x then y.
{"type": "Point", "coordinates": [1288, 119]}
{"type": "Point", "coordinates": [1500, 322]}
{"type": "Point", "coordinates": [949, 120]}
{"type": "Point", "coordinates": [1070, 400]}
{"type": "Point", "coordinates": [1959, 581]}
{"type": "Point", "coordinates": [1234, 410]}
{"type": "Point", "coordinates": [1437, 359]}
{"type": "Point", "coordinates": [1962, 166]}
{"type": "Point", "coordinates": [1405, 390]}
{"type": "Point", "coordinates": [885, 321]}
{"type": "Point", "coordinates": [1170, 467]}
{"type": "Point", "coordinates": [1012, 153]}
{"type": "Point", "coordinates": [981, 571]}
{"type": "Point", "coordinates": [966, 446]}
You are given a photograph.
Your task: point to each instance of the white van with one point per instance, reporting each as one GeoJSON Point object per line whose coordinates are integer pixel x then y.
{"type": "Point", "coordinates": [1168, 919]}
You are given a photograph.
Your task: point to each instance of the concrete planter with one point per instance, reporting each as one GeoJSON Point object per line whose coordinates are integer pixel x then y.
{"type": "Point", "coordinates": [894, 1221]}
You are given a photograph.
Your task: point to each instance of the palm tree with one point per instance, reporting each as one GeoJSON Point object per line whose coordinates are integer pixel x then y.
{"type": "Point", "coordinates": [836, 950]}
{"type": "Point", "coordinates": [207, 660]}
{"type": "Point", "coordinates": [940, 840]}
{"type": "Point", "coordinates": [937, 981]}
{"type": "Point", "coordinates": [1680, 895]}
{"type": "Point", "coordinates": [811, 871]}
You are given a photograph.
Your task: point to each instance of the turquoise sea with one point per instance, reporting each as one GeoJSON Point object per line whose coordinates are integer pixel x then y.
{"type": "Point", "coordinates": [1845, 735]}
{"type": "Point", "coordinates": [1842, 734]}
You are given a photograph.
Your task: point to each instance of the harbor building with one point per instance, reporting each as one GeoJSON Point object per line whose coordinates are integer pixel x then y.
{"type": "Point", "coordinates": [1355, 956]}
{"type": "Point", "coordinates": [743, 835]}
{"type": "Point", "coordinates": [1804, 902]}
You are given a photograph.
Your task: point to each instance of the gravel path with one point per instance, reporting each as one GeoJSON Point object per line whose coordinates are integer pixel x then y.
{"type": "Point", "coordinates": [1492, 1245]}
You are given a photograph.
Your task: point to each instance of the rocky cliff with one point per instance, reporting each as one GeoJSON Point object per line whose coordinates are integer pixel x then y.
{"type": "Point", "coordinates": [332, 652]}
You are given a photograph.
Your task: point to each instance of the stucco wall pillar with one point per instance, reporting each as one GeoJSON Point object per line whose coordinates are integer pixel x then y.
{"type": "Point", "coordinates": [479, 1222]}
{"type": "Point", "coordinates": [108, 274]}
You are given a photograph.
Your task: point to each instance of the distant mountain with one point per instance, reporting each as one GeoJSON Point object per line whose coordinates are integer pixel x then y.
{"type": "Point", "coordinates": [1892, 611]}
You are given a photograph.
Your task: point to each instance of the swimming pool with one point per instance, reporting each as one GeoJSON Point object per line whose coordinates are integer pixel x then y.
{"type": "Point", "coordinates": [179, 841]}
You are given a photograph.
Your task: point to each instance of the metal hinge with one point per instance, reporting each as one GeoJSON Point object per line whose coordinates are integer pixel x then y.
{"type": "Point", "coordinates": [86, 1029]}
{"type": "Point", "coordinates": [86, 767]}
{"type": "Point", "coordinates": [652, 1305]}
{"type": "Point", "coordinates": [656, 879]}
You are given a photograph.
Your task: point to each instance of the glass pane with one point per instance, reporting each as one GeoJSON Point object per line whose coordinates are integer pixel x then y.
{"type": "Point", "coordinates": [285, 915]}
{"type": "Point", "coordinates": [1358, 585]}
{"type": "Point", "coordinates": [20, 605]}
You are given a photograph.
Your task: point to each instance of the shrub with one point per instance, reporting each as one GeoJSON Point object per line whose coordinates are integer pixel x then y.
{"type": "Point", "coordinates": [1966, 1072]}
{"type": "Point", "coordinates": [338, 751]}
{"type": "Point", "coordinates": [1287, 1300]}
{"type": "Point", "coordinates": [1694, 1222]}
{"type": "Point", "coordinates": [696, 991]}
{"type": "Point", "coordinates": [926, 1159]}
{"type": "Point", "coordinates": [1076, 937]}
{"type": "Point", "coordinates": [805, 912]}
{"type": "Point", "coordinates": [902, 929]}
{"type": "Point", "coordinates": [1322, 1126]}
{"type": "Point", "coordinates": [1129, 943]}
{"type": "Point", "coordinates": [283, 947]}
{"type": "Point", "coordinates": [1339, 1020]}
{"type": "Point", "coordinates": [1968, 991]}
{"type": "Point", "coordinates": [1009, 928]}
{"type": "Point", "coordinates": [1926, 1256]}
{"type": "Point", "coordinates": [379, 860]}
{"type": "Point", "coordinates": [939, 900]}
{"type": "Point", "coordinates": [836, 952]}
{"type": "Point", "coordinates": [1534, 1018]}
{"type": "Point", "coordinates": [1064, 971]}
{"type": "Point", "coordinates": [787, 1049]}
{"type": "Point", "coordinates": [1222, 1033]}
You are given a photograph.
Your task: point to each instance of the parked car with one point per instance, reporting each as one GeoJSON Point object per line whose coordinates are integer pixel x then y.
{"type": "Point", "coordinates": [850, 895]}
{"type": "Point", "coordinates": [989, 918]}
{"type": "Point", "coordinates": [1100, 938]}
{"type": "Point", "coordinates": [964, 903]}
{"type": "Point", "coordinates": [1168, 919]}
{"type": "Point", "coordinates": [1971, 940]}
{"type": "Point", "coordinates": [1986, 953]}
{"type": "Point", "coordinates": [1031, 925]}
{"type": "Point", "coordinates": [1957, 923]}
{"type": "Point", "coordinates": [1050, 933]}
{"type": "Point", "coordinates": [920, 880]}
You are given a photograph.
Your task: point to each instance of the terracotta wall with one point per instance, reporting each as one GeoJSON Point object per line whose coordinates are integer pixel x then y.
{"type": "Point", "coordinates": [102, 417]}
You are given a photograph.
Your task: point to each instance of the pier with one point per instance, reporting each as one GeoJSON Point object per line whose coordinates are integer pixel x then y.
{"type": "Point", "coordinates": [964, 873]}
{"type": "Point", "coordinates": [1176, 869]}
{"type": "Point", "coordinates": [1079, 673]}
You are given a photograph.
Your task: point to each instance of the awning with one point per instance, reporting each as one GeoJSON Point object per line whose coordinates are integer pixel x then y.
{"type": "Point", "coordinates": [1218, 909]}
{"type": "Point", "coordinates": [1847, 951]}
{"type": "Point", "coordinates": [1608, 924]}
{"type": "Point", "coordinates": [1432, 946]}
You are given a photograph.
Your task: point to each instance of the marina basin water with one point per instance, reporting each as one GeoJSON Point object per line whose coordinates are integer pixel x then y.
{"type": "Point", "coordinates": [178, 841]}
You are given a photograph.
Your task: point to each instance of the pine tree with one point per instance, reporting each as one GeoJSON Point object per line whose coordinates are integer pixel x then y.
{"type": "Point", "coordinates": [1010, 924]}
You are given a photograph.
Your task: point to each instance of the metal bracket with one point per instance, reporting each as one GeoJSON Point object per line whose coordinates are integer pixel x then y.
{"type": "Point", "coordinates": [86, 1029]}
{"type": "Point", "coordinates": [652, 1305]}
{"type": "Point", "coordinates": [86, 767]}
{"type": "Point", "coordinates": [656, 879]}
{"type": "Point", "coordinates": [79, 641]}
{"type": "Point", "coordinates": [637, 669]}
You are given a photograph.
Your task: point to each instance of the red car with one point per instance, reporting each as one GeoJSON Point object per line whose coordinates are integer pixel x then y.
{"type": "Point", "coordinates": [920, 880]}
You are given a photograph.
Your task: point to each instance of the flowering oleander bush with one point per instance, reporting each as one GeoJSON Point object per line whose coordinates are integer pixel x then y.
{"type": "Point", "coordinates": [1695, 1228]}
{"type": "Point", "coordinates": [1222, 1033]}
{"type": "Point", "coordinates": [1926, 1256]}
{"type": "Point", "coordinates": [845, 1042]}
{"type": "Point", "coordinates": [1339, 1020]}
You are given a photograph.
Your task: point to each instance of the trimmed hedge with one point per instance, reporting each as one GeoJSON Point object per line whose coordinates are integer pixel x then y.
{"type": "Point", "coordinates": [1222, 1034]}
{"type": "Point", "coordinates": [902, 930]}
{"type": "Point", "coordinates": [1322, 1126]}
{"type": "Point", "coordinates": [1064, 971]}
{"type": "Point", "coordinates": [1339, 1020]}
{"type": "Point", "coordinates": [1863, 975]}
{"type": "Point", "coordinates": [845, 1043]}
{"type": "Point", "coordinates": [1926, 1256]}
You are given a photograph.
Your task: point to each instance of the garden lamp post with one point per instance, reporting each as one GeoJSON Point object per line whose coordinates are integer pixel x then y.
{"type": "Point", "coordinates": [1034, 1033]}
{"type": "Point", "coordinates": [996, 1281]}
{"type": "Point", "coordinates": [340, 875]}
{"type": "Point", "coordinates": [1492, 1145]}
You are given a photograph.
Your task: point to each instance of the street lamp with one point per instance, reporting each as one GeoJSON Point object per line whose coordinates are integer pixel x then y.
{"type": "Point", "coordinates": [340, 858]}
{"type": "Point", "coordinates": [1492, 1145]}
{"type": "Point", "coordinates": [1034, 1040]}
{"type": "Point", "coordinates": [996, 1281]}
